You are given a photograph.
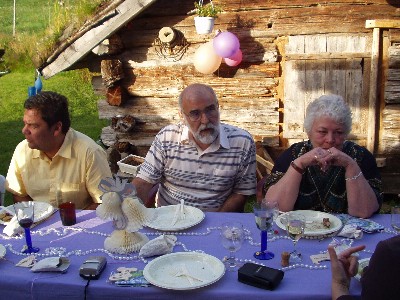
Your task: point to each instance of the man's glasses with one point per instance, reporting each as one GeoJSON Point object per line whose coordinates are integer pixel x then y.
{"type": "Point", "coordinates": [211, 112]}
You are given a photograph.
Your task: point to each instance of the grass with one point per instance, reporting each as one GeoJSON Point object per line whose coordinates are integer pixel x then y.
{"type": "Point", "coordinates": [13, 93]}
{"type": "Point", "coordinates": [37, 20]}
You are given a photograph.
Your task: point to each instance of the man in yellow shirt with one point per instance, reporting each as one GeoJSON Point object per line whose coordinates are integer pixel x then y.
{"type": "Point", "coordinates": [55, 161]}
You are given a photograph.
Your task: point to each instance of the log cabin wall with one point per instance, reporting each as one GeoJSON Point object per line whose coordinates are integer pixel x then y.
{"type": "Point", "coordinates": [254, 95]}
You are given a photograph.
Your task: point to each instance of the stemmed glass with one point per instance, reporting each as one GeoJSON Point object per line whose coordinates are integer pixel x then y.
{"type": "Point", "coordinates": [264, 215]}
{"type": "Point", "coordinates": [25, 214]}
{"type": "Point", "coordinates": [232, 236]}
{"type": "Point", "coordinates": [274, 206]}
{"type": "Point", "coordinates": [295, 226]}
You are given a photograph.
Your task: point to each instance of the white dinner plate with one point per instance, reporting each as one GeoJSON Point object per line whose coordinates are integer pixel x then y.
{"type": "Point", "coordinates": [314, 226]}
{"type": "Point", "coordinates": [362, 263]}
{"type": "Point", "coordinates": [42, 211]}
{"type": "Point", "coordinates": [2, 251]}
{"type": "Point", "coordinates": [164, 217]}
{"type": "Point", "coordinates": [203, 269]}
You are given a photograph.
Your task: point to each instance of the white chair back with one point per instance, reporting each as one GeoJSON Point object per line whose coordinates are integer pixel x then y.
{"type": "Point", "coordinates": [2, 189]}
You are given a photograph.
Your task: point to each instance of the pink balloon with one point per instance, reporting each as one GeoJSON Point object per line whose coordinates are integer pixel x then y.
{"type": "Point", "coordinates": [206, 61]}
{"type": "Point", "coordinates": [235, 59]}
{"type": "Point", "coordinates": [226, 44]}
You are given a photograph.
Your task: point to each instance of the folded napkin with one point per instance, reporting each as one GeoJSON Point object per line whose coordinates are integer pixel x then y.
{"type": "Point", "coordinates": [182, 271]}
{"type": "Point", "coordinates": [158, 246]}
{"type": "Point", "coordinates": [13, 227]}
{"type": "Point", "coordinates": [52, 264]}
{"type": "Point", "coordinates": [366, 225]}
{"type": "Point", "coordinates": [180, 213]}
{"type": "Point", "coordinates": [27, 262]}
{"type": "Point", "coordinates": [351, 231]}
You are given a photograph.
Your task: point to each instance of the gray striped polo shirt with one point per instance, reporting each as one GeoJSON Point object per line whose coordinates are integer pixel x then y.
{"type": "Point", "coordinates": [204, 179]}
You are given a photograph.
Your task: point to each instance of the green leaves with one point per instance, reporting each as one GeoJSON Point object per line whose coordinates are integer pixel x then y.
{"type": "Point", "coordinates": [208, 10]}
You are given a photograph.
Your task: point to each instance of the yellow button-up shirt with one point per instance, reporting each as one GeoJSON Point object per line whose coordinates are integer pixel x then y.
{"type": "Point", "coordinates": [74, 173]}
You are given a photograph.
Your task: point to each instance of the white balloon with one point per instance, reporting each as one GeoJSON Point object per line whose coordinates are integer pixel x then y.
{"type": "Point", "coordinates": [205, 60]}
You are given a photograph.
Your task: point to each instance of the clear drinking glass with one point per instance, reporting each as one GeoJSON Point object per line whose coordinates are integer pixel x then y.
{"type": "Point", "coordinates": [25, 212]}
{"type": "Point", "coordinates": [264, 215]}
{"type": "Point", "coordinates": [395, 218]}
{"type": "Point", "coordinates": [295, 226]}
{"type": "Point", "coordinates": [232, 236]}
{"type": "Point", "coordinates": [274, 206]}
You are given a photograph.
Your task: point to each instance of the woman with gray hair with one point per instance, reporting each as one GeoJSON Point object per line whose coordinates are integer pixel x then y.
{"type": "Point", "coordinates": [327, 172]}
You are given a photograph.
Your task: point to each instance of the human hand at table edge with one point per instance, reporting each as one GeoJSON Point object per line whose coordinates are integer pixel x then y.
{"type": "Point", "coordinates": [234, 203]}
{"type": "Point", "coordinates": [343, 267]}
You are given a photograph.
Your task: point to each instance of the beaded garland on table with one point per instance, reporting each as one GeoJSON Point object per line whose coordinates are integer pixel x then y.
{"type": "Point", "coordinates": [62, 251]}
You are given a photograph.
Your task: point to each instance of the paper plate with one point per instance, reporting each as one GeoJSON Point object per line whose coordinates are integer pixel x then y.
{"type": "Point", "coordinates": [42, 211]}
{"type": "Point", "coordinates": [165, 215]}
{"type": "Point", "coordinates": [204, 268]}
{"type": "Point", "coordinates": [362, 263]}
{"type": "Point", "coordinates": [314, 226]}
{"type": "Point", "coordinates": [2, 251]}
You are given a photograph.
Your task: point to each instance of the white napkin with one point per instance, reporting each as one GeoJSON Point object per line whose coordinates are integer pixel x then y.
{"type": "Point", "coordinates": [13, 227]}
{"type": "Point", "coordinates": [51, 264]}
{"type": "Point", "coordinates": [158, 246]}
{"type": "Point", "coordinates": [351, 231]}
{"type": "Point", "coordinates": [27, 262]}
{"type": "Point", "coordinates": [179, 213]}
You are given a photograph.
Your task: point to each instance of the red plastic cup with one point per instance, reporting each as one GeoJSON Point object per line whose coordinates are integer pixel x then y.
{"type": "Point", "coordinates": [67, 213]}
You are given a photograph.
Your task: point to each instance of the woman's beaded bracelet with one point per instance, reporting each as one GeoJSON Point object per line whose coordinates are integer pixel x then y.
{"type": "Point", "coordinates": [297, 168]}
{"type": "Point", "coordinates": [354, 177]}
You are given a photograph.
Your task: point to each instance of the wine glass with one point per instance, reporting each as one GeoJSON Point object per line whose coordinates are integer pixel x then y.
{"type": "Point", "coordinates": [295, 226]}
{"type": "Point", "coordinates": [264, 215]}
{"type": "Point", "coordinates": [25, 214]}
{"type": "Point", "coordinates": [274, 206]}
{"type": "Point", "coordinates": [232, 236]}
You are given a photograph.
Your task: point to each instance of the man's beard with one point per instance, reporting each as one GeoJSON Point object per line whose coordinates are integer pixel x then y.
{"type": "Point", "coordinates": [206, 139]}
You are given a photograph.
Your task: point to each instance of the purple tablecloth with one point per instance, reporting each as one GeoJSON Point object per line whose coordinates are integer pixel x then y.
{"type": "Point", "coordinates": [298, 283]}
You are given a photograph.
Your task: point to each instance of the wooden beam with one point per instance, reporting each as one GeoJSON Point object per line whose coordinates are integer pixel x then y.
{"type": "Point", "coordinates": [78, 49]}
{"type": "Point", "coordinates": [373, 87]}
{"type": "Point", "coordinates": [328, 55]}
{"type": "Point", "coordinates": [382, 24]}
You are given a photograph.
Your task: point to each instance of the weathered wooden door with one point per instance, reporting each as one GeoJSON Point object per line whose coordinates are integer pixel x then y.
{"type": "Point", "coordinates": [325, 64]}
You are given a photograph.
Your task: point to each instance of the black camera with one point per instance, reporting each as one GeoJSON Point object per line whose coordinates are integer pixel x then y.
{"type": "Point", "coordinates": [92, 267]}
{"type": "Point", "coordinates": [260, 276]}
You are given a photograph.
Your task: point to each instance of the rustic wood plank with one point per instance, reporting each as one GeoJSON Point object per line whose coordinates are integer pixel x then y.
{"type": "Point", "coordinates": [353, 95]}
{"type": "Point", "coordinates": [315, 70]}
{"type": "Point", "coordinates": [126, 11]}
{"type": "Point", "coordinates": [294, 106]}
{"type": "Point", "coordinates": [327, 56]}
{"type": "Point", "coordinates": [336, 76]}
{"type": "Point", "coordinates": [373, 95]}
{"type": "Point", "coordinates": [394, 35]}
{"type": "Point", "coordinates": [389, 137]}
{"type": "Point", "coordinates": [392, 92]}
{"type": "Point", "coordinates": [382, 24]}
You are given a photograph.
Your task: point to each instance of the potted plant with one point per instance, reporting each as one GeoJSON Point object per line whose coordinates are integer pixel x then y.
{"type": "Point", "coordinates": [206, 14]}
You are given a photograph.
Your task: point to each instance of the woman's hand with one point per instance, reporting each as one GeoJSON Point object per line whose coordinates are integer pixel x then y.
{"type": "Point", "coordinates": [325, 158]}
{"type": "Point", "coordinates": [317, 156]}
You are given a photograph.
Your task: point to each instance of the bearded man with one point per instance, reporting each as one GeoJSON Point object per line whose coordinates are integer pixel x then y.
{"type": "Point", "coordinates": [208, 164]}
